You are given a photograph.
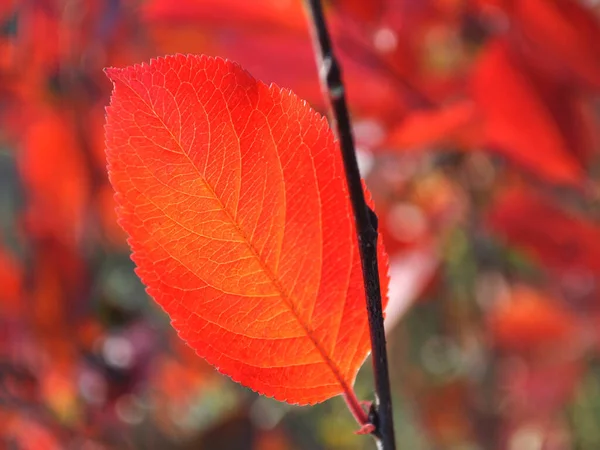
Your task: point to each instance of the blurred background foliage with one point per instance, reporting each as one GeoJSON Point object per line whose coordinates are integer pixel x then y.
{"type": "Point", "coordinates": [477, 126]}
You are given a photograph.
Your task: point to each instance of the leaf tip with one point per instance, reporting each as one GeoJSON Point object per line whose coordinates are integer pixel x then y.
{"type": "Point", "coordinates": [112, 73]}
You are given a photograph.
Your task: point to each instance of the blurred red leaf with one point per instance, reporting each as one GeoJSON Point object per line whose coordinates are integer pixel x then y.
{"type": "Point", "coordinates": [38, 49]}
{"type": "Point", "coordinates": [529, 320]}
{"type": "Point", "coordinates": [55, 176]}
{"type": "Point", "coordinates": [517, 119]}
{"type": "Point", "coordinates": [173, 384]}
{"type": "Point", "coordinates": [566, 33]}
{"type": "Point", "coordinates": [539, 389]}
{"type": "Point", "coordinates": [445, 414]}
{"type": "Point", "coordinates": [51, 302]}
{"type": "Point", "coordinates": [574, 118]}
{"type": "Point", "coordinates": [271, 40]}
{"type": "Point", "coordinates": [237, 14]}
{"type": "Point", "coordinates": [269, 37]}
{"type": "Point", "coordinates": [429, 127]}
{"type": "Point", "coordinates": [27, 434]}
{"type": "Point", "coordinates": [558, 37]}
{"type": "Point", "coordinates": [363, 12]}
{"type": "Point", "coordinates": [557, 238]}
{"type": "Point", "coordinates": [274, 439]}
{"type": "Point", "coordinates": [234, 197]}
{"type": "Point", "coordinates": [60, 393]}
{"type": "Point", "coordinates": [11, 280]}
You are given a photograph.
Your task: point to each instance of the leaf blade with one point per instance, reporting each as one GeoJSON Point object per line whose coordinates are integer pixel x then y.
{"type": "Point", "coordinates": [234, 197]}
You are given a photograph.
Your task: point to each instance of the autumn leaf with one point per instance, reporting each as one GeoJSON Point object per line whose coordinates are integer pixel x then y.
{"type": "Point", "coordinates": [235, 13]}
{"type": "Point", "coordinates": [55, 176]}
{"type": "Point", "coordinates": [558, 37]}
{"type": "Point", "coordinates": [451, 423]}
{"type": "Point", "coordinates": [517, 120]}
{"type": "Point", "coordinates": [271, 39]}
{"type": "Point", "coordinates": [540, 385]}
{"type": "Point", "coordinates": [234, 198]}
{"type": "Point", "coordinates": [567, 241]}
{"type": "Point", "coordinates": [11, 280]}
{"type": "Point", "coordinates": [421, 129]}
{"type": "Point", "coordinates": [29, 434]}
{"type": "Point", "coordinates": [528, 320]}
{"type": "Point", "coordinates": [361, 12]}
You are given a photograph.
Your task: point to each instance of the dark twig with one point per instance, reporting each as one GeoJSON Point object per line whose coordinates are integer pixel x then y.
{"type": "Point", "coordinates": [366, 226]}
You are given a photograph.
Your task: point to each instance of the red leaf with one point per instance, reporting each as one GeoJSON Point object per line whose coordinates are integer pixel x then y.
{"type": "Point", "coordinates": [55, 175]}
{"type": "Point", "coordinates": [518, 122]}
{"type": "Point", "coordinates": [360, 11]}
{"type": "Point", "coordinates": [529, 320]}
{"type": "Point", "coordinates": [424, 128]}
{"type": "Point", "coordinates": [235, 13]}
{"type": "Point", "coordinates": [566, 241]}
{"type": "Point", "coordinates": [234, 196]}
{"type": "Point", "coordinates": [540, 386]}
{"type": "Point", "coordinates": [271, 39]}
{"type": "Point", "coordinates": [565, 33]}
{"type": "Point", "coordinates": [11, 280]}
{"type": "Point", "coordinates": [558, 37]}
{"type": "Point", "coordinates": [28, 434]}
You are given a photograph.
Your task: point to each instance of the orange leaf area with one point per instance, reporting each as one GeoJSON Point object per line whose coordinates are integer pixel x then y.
{"type": "Point", "coordinates": [234, 198]}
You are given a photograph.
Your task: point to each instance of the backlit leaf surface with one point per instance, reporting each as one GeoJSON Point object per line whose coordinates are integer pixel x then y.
{"type": "Point", "coordinates": [235, 201]}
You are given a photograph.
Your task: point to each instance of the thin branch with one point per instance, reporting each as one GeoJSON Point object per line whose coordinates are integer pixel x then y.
{"type": "Point", "coordinates": [366, 226]}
